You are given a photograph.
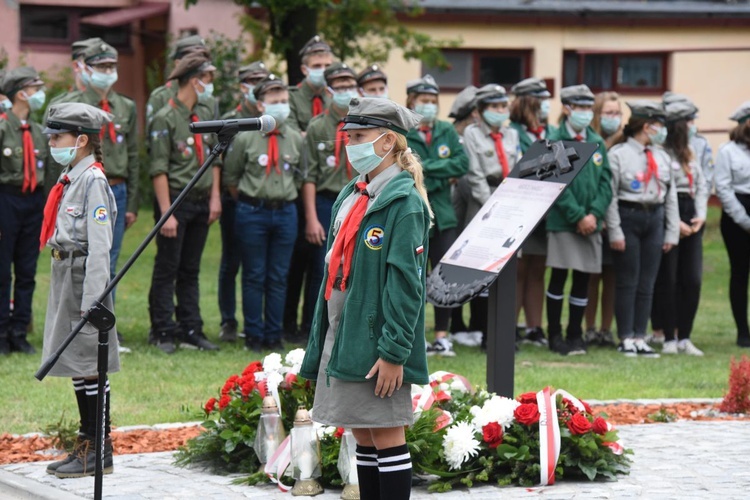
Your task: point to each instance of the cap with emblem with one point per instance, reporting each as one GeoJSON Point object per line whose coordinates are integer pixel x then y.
{"type": "Point", "coordinates": [680, 110]}
{"type": "Point", "coordinates": [77, 48]}
{"type": "Point", "coordinates": [534, 87]}
{"type": "Point", "coordinates": [268, 83]}
{"type": "Point", "coordinates": [464, 103]}
{"type": "Point", "coordinates": [579, 95]}
{"type": "Point", "coordinates": [643, 108]}
{"type": "Point", "coordinates": [19, 78]}
{"type": "Point", "coordinates": [191, 65]}
{"type": "Point", "coordinates": [338, 70]}
{"type": "Point", "coordinates": [424, 85]}
{"type": "Point", "coordinates": [185, 44]}
{"type": "Point", "coordinates": [491, 93]}
{"type": "Point", "coordinates": [253, 71]}
{"type": "Point", "coordinates": [371, 112]}
{"type": "Point", "coordinates": [75, 117]}
{"type": "Point", "coordinates": [314, 45]}
{"type": "Point", "coordinates": [742, 113]}
{"type": "Point", "coordinates": [98, 53]}
{"type": "Point", "coordinates": [371, 73]}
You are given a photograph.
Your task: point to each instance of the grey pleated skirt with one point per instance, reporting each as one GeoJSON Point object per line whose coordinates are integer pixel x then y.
{"type": "Point", "coordinates": [354, 404]}
{"type": "Point", "coordinates": [573, 251]}
{"type": "Point", "coordinates": [536, 243]}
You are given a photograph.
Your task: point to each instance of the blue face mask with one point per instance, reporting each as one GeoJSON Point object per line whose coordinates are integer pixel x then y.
{"type": "Point", "coordinates": [363, 157]}
{"type": "Point", "coordinates": [208, 91]}
{"type": "Point", "coordinates": [428, 111]}
{"type": "Point", "coordinates": [579, 120]}
{"type": "Point", "coordinates": [279, 111]}
{"type": "Point", "coordinates": [6, 105]}
{"type": "Point", "coordinates": [64, 156]}
{"type": "Point", "coordinates": [36, 100]}
{"type": "Point", "coordinates": [103, 80]}
{"type": "Point", "coordinates": [544, 109]}
{"type": "Point", "coordinates": [384, 95]}
{"type": "Point", "coordinates": [342, 99]}
{"type": "Point", "coordinates": [495, 119]}
{"type": "Point", "coordinates": [249, 96]}
{"type": "Point", "coordinates": [83, 75]}
{"type": "Point", "coordinates": [610, 124]}
{"type": "Point", "coordinates": [316, 77]}
{"type": "Point", "coordinates": [692, 131]}
{"type": "Point", "coordinates": [659, 137]}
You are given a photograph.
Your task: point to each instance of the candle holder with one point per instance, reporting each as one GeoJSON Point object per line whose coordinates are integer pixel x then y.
{"type": "Point", "coordinates": [306, 460]}
{"type": "Point", "coordinates": [347, 465]}
{"type": "Point", "coordinates": [270, 433]}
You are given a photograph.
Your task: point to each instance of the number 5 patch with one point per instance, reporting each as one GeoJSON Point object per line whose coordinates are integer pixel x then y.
{"type": "Point", "coordinates": [374, 237]}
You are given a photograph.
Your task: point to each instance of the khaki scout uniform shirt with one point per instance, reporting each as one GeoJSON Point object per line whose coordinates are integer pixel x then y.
{"type": "Point", "coordinates": [628, 164]}
{"type": "Point", "coordinates": [483, 159]}
{"type": "Point", "coordinates": [11, 151]}
{"type": "Point", "coordinates": [160, 97]}
{"type": "Point", "coordinates": [300, 105]}
{"type": "Point", "coordinates": [699, 190]}
{"type": "Point", "coordinates": [732, 176]}
{"type": "Point", "coordinates": [243, 110]}
{"type": "Point", "coordinates": [121, 157]}
{"type": "Point", "coordinates": [246, 161]}
{"type": "Point", "coordinates": [320, 150]}
{"type": "Point", "coordinates": [173, 149]}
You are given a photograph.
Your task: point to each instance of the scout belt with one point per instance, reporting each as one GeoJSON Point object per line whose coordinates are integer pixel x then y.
{"type": "Point", "coordinates": [494, 181]}
{"type": "Point", "coordinates": [262, 202]}
{"type": "Point", "coordinates": [62, 255]}
{"type": "Point", "coordinates": [646, 207]}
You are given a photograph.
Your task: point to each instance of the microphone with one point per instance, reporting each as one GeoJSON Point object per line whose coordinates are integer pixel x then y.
{"type": "Point", "coordinates": [264, 124]}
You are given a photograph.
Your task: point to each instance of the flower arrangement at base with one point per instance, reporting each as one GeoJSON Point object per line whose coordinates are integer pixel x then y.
{"type": "Point", "coordinates": [460, 435]}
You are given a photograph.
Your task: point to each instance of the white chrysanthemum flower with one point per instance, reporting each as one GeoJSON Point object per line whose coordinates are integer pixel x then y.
{"type": "Point", "coordinates": [295, 357]}
{"type": "Point", "coordinates": [459, 444]}
{"type": "Point", "coordinates": [496, 409]}
{"type": "Point", "coordinates": [458, 385]}
{"type": "Point", "coordinates": [272, 362]}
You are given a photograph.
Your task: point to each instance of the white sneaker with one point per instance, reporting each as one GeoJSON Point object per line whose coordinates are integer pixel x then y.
{"type": "Point", "coordinates": [643, 350]}
{"type": "Point", "coordinates": [686, 346]}
{"type": "Point", "coordinates": [123, 350]}
{"type": "Point", "coordinates": [441, 347]}
{"type": "Point", "coordinates": [670, 347]}
{"type": "Point", "coordinates": [654, 339]}
{"type": "Point", "coordinates": [627, 347]}
{"type": "Point", "coordinates": [463, 338]}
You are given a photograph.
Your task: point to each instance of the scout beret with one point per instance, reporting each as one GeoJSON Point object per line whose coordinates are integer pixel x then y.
{"type": "Point", "coordinates": [424, 85]}
{"type": "Point", "coordinates": [643, 108]}
{"type": "Point", "coordinates": [19, 78]}
{"type": "Point", "coordinates": [680, 110]}
{"type": "Point", "coordinates": [268, 83]}
{"type": "Point", "coordinates": [371, 112]}
{"type": "Point", "coordinates": [577, 94]}
{"type": "Point", "coordinates": [183, 45]}
{"type": "Point", "coordinates": [75, 117]}
{"type": "Point", "coordinates": [371, 73]}
{"type": "Point", "coordinates": [534, 87]}
{"type": "Point", "coordinates": [315, 44]}
{"type": "Point", "coordinates": [338, 70]}
{"type": "Point", "coordinates": [742, 113]}
{"type": "Point", "coordinates": [490, 93]}
{"type": "Point", "coordinates": [99, 53]}
{"type": "Point", "coordinates": [464, 103]}
{"type": "Point", "coordinates": [77, 48]}
{"type": "Point", "coordinates": [253, 71]}
{"type": "Point", "coordinates": [192, 64]}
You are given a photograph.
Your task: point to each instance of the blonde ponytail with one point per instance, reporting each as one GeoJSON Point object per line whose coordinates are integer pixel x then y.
{"type": "Point", "coordinates": [409, 162]}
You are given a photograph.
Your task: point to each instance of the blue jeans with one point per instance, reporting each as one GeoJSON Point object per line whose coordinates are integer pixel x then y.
{"type": "Point", "coordinates": [324, 207]}
{"type": "Point", "coordinates": [266, 240]}
{"type": "Point", "coordinates": [118, 231]}
{"type": "Point", "coordinates": [230, 261]}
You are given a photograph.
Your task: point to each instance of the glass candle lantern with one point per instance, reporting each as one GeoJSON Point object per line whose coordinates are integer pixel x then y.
{"type": "Point", "coordinates": [270, 432]}
{"type": "Point", "coordinates": [347, 465]}
{"type": "Point", "coordinates": [306, 460]}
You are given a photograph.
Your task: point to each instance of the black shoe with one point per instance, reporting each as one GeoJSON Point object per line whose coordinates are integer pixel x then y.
{"type": "Point", "coordinates": [228, 332]}
{"type": "Point", "coordinates": [4, 345]}
{"type": "Point", "coordinates": [274, 345]}
{"type": "Point", "coordinates": [84, 462]}
{"type": "Point", "coordinates": [195, 339]}
{"type": "Point", "coordinates": [557, 344]}
{"type": "Point", "coordinates": [18, 343]}
{"type": "Point", "coordinates": [743, 341]}
{"type": "Point", "coordinates": [576, 346]}
{"type": "Point", "coordinates": [165, 341]}
{"type": "Point", "coordinates": [253, 345]}
{"type": "Point", "coordinates": [52, 468]}
{"type": "Point", "coordinates": [535, 337]}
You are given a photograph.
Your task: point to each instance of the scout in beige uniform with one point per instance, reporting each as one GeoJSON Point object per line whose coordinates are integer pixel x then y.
{"type": "Point", "coordinates": [642, 220]}
{"type": "Point", "coordinates": [259, 173]}
{"type": "Point", "coordinates": [78, 226]}
{"type": "Point", "coordinates": [176, 155]}
{"type": "Point", "coordinates": [249, 76]}
{"type": "Point", "coordinates": [308, 99]}
{"type": "Point", "coordinates": [23, 165]}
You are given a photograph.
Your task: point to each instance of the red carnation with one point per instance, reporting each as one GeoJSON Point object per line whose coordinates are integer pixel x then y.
{"type": "Point", "coordinates": [570, 406]}
{"type": "Point", "coordinates": [579, 424]}
{"type": "Point", "coordinates": [339, 432]}
{"type": "Point", "coordinates": [210, 406]}
{"type": "Point", "coordinates": [255, 366]}
{"type": "Point", "coordinates": [492, 434]}
{"type": "Point", "coordinates": [600, 426]}
{"type": "Point", "coordinates": [527, 414]}
{"type": "Point", "coordinates": [224, 401]}
{"type": "Point", "coordinates": [229, 384]}
{"type": "Point", "coordinates": [587, 407]}
{"type": "Point", "coordinates": [527, 398]}
{"type": "Point", "coordinates": [247, 386]}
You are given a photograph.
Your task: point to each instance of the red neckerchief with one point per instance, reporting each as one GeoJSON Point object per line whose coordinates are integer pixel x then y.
{"type": "Point", "coordinates": [652, 169]}
{"type": "Point", "coordinates": [427, 131]}
{"type": "Point", "coordinates": [273, 152]}
{"type": "Point", "coordinates": [29, 160]}
{"type": "Point", "coordinates": [500, 150]}
{"type": "Point", "coordinates": [111, 126]}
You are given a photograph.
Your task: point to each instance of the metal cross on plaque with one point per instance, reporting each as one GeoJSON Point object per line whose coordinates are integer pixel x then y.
{"type": "Point", "coordinates": [558, 161]}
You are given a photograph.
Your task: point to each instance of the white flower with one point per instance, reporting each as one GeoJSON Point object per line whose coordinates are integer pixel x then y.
{"type": "Point", "coordinates": [496, 409]}
{"type": "Point", "coordinates": [459, 444]}
{"type": "Point", "coordinates": [272, 362]}
{"type": "Point", "coordinates": [458, 385]}
{"type": "Point", "coordinates": [294, 359]}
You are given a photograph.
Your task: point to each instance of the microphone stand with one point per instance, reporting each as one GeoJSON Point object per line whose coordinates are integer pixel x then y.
{"type": "Point", "coordinates": [104, 319]}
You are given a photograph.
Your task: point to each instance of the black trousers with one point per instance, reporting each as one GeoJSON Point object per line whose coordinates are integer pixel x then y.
{"type": "Point", "coordinates": [176, 270]}
{"type": "Point", "coordinates": [299, 279]}
{"type": "Point", "coordinates": [678, 285]}
{"type": "Point", "coordinates": [440, 242]}
{"type": "Point", "coordinates": [737, 241]}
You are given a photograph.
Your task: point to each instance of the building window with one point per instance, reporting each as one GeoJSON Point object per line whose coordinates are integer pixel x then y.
{"type": "Point", "coordinates": [480, 67]}
{"type": "Point", "coordinates": [621, 72]}
{"type": "Point", "coordinates": [62, 26]}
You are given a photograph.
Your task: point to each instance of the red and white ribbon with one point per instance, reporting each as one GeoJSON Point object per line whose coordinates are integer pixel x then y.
{"type": "Point", "coordinates": [549, 436]}
{"type": "Point", "coordinates": [278, 464]}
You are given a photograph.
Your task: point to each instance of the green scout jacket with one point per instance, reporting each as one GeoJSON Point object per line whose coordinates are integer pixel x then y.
{"type": "Point", "coordinates": [247, 160]}
{"type": "Point", "coordinates": [300, 105]}
{"type": "Point", "coordinates": [11, 151]}
{"type": "Point", "coordinates": [383, 316]}
{"type": "Point", "coordinates": [442, 160]}
{"type": "Point", "coordinates": [523, 136]}
{"type": "Point", "coordinates": [173, 148]}
{"type": "Point", "coordinates": [320, 151]}
{"type": "Point", "coordinates": [121, 157]}
{"type": "Point", "coordinates": [589, 193]}
{"type": "Point", "coordinates": [160, 96]}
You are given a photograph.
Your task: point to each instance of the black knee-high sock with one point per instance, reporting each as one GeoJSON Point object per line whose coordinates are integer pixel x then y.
{"type": "Point", "coordinates": [577, 303]}
{"type": "Point", "coordinates": [83, 409]}
{"type": "Point", "coordinates": [91, 395]}
{"type": "Point", "coordinates": [555, 296]}
{"type": "Point", "coordinates": [394, 466]}
{"type": "Point", "coordinates": [367, 471]}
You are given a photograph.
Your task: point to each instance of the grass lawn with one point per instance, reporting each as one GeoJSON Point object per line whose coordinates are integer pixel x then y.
{"type": "Point", "coordinates": [154, 388]}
